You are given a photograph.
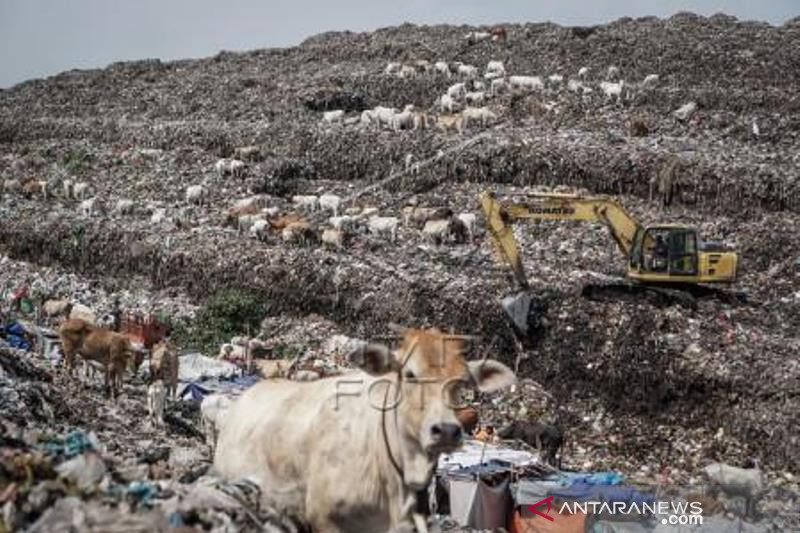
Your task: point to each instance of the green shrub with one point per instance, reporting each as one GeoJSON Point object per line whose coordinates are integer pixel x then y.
{"type": "Point", "coordinates": [77, 161]}
{"type": "Point", "coordinates": [225, 315]}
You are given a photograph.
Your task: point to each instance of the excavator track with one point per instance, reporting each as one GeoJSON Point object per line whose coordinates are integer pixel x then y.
{"type": "Point", "coordinates": [663, 296]}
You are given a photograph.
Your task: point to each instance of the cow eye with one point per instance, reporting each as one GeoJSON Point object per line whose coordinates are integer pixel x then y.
{"type": "Point", "coordinates": [409, 374]}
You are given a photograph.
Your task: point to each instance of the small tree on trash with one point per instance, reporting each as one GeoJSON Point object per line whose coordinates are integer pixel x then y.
{"type": "Point", "coordinates": [225, 315]}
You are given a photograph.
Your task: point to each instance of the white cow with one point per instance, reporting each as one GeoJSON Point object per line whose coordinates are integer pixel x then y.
{"type": "Point", "coordinates": [349, 453]}
{"type": "Point", "coordinates": [384, 225]}
{"type": "Point", "coordinates": [526, 82]}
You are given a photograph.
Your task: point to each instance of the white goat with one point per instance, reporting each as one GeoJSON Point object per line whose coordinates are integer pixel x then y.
{"type": "Point", "coordinates": [583, 72]}
{"type": "Point", "coordinates": [555, 79]}
{"type": "Point", "coordinates": [612, 73]}
{"type": "Point", "coordinates": [331, 202]}
{"type": "Point", "coordinates": [195, 194]}
{"type": "Point", "coordinates": [308, 201]}
{"type": "Point", "coordinates": [526, 82]}
{"type": "Point", "coordinates": [384, 225]}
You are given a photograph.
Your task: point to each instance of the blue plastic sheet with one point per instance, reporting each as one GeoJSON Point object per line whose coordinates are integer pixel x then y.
{"type": "Point", "coordinates": [73, 444]}
{"type": "Point", "coordinates": [594, 478]}
{"type": "Point", "coordinates": [582, 492]}
{"type": "Point", "coordinates": [143, 492]}
{"type": "Point", "coordinates": [15, 337]}
{"type": "Point", "coordinates": [193, 391]}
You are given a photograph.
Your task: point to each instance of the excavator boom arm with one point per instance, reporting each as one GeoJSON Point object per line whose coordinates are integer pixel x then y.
{"type": "Point", "coordinates": [621, 224]}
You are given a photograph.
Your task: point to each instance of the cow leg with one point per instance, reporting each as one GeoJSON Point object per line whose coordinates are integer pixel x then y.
{"type": "Point", "coordinates": [108, 380]}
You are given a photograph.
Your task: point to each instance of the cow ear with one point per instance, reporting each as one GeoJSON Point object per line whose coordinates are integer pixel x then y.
{"type": "Point", "coordinates": [491, 375]}
{"type": "Point", "coordinates": [372, 358]}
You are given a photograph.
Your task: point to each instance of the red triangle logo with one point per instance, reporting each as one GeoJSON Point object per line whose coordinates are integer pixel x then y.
{"type": "Point", "coordinates": [547, 501]}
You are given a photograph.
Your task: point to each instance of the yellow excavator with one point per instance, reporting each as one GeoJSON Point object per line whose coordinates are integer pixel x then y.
{"type": "Point", "coordinates": [668, 259]}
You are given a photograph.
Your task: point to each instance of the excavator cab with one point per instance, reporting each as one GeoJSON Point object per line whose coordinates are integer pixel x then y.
{"type": "Point", "coordinates": [675, 254]}
{"type": "Point", "coordinates": [669, 250]}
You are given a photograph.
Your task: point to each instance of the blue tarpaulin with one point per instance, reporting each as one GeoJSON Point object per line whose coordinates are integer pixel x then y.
{"type": "Point", "coordinates": [583, 492]}
{"type": "Point", "coordinates": [193, 391]}
{"type": "Point", "coordinates": [15, 337]}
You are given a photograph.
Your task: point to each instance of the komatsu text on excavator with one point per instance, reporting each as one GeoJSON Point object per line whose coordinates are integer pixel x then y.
{"type": "Point", "coordinates": [660, 256]}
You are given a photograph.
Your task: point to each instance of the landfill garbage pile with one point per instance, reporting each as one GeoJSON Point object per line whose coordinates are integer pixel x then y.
{"type": "Point", "coordinates": [73, 461]}
{"type": "Point", "coordinates": [640, 385]}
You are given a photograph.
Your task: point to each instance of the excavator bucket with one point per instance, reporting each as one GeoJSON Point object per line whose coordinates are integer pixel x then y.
{"type": "Point", "coordinates": [517, 307]}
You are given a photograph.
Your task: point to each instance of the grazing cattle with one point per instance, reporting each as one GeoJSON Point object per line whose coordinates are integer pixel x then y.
{"type": "Point", "coordinates": [164, 366]}
{"type": "Point", "coordinates": [53, 308]}
{"type": "Point", "coordinates": [280, 223]}
{"type": "Point", "coordinates": [349, 453]}
{"type": "Point", "coordinates": [446, 123]}
{"type": "Point", "coordinates": [498, 33]}
{"type": "Point", "coordinates": [543, 437]}
{"type": "Point", "coordinates": [111, 349]}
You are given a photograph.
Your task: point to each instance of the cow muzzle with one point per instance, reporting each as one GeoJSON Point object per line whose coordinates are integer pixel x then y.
{"type": "Point", "coordinates": [444, 437]}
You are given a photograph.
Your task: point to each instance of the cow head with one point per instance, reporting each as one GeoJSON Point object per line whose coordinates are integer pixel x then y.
{"type": "Point", "coordinates": [423, 378]}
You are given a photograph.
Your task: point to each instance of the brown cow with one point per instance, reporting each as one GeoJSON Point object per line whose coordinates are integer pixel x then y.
{"type": "Point", "coordinates": [110, 349]}
{"type": "Point", "coordinates": [164, 366]}
{"type": "Point", "coordinates": [280, 223]}
{"type": "Point", "coordinates": [350, 453]}
{"type": "Point", "coordinates": [468, 417]}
